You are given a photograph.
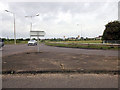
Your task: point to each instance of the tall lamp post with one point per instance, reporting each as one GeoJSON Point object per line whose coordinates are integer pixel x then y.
{"type": "Point", "coordinates": [81, 29]}
{"type": "Point", "coordinates": [14, 26]}
{"type": "Point", "coordinates": [31, 21]}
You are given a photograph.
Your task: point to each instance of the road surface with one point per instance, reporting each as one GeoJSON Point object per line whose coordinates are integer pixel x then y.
{"type": "Point", "coordinates": [71, 80]}
{"type": "Point", "coordinates": [14, 49]}
{"type": "Point", "coordinates": [60, 81]}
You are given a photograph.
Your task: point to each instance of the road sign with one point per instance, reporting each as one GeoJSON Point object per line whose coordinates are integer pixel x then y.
{"type": "Point", "coordinates": [37, 34]}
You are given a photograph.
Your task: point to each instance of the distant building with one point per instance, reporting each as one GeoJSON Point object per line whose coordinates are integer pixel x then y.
{"type": "Point", "coordinates": [64, 37]}
{"type": "Point", "coordinates": [72, 38]}
{"type": "Point", "coordinates": [98, 38]}
{"type": "Point", "coordinates": [78, 37]}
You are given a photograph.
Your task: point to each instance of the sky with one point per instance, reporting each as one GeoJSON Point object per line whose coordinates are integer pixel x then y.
{"type": "Point", "coordinates": [57, 19]}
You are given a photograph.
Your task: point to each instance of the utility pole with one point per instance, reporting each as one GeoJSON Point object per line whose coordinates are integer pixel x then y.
{"type": "Point", "coordinates": [31, 22]}
{"type": "Point", "coordinates": [119, 11]}
{"type": "Point", "coordinates": [14, 26]}
{"type": "Point", "coordinates": [14, 30]}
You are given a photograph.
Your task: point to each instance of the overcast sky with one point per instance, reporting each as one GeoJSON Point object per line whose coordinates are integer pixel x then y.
{"type": "Point", "coordinates": [58, 19]}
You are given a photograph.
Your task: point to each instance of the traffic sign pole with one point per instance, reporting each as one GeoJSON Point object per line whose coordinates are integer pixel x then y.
{"type": "Point", "coordinates": [38, 44]}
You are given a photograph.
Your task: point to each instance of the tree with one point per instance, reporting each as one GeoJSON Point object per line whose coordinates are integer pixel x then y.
{"type": "Point", "coordinates": [27, 39]}
{"type": "Point", "coordinates": [112, 31]}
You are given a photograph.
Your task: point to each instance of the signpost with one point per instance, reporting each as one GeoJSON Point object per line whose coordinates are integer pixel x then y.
{"type": "Point", "coordinates": [37, 34]}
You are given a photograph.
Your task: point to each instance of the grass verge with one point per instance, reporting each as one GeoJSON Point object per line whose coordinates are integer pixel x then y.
{"type": "Point", "coordinates": [83, 46]}
{"type": "Point", "coordinates": [83, 41]}
{"type": "Point", "coordinates": [18, 42]}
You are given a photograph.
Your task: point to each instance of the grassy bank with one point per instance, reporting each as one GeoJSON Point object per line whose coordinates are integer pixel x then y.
{"type": "Point", "coordinates": [82, 46]}
{"type": "Point", "coordinates": [82, 41]}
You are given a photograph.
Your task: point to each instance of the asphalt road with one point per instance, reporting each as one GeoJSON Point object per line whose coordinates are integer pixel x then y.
{"type": "Point", "coordinates": [14, 49]}
{"type": "Point", "coordinates": [57, 61]}
{"type": "Point", "coordinates": [60, 81]}
{"type": "Point", "coordinates": [57, 80]}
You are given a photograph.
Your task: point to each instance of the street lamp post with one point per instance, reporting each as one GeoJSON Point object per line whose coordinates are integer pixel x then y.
{"type": "Point", "coordinates": [31, 22]}
{"type": "Point", "coordinates": [81, 29]}
{"type": "Point", "coordinates": [14, 26]}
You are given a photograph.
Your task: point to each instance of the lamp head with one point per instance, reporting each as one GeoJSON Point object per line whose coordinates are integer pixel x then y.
{"type": "Point", "coordinates": [6, 10]}
{"type": "Point", "coordinates": [37, 14]}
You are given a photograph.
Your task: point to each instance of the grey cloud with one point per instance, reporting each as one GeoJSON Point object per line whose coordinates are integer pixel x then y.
{"type": "Point", "coordinates": [29, 8]}
{"type": "Point", "coordinates": [50, 10]}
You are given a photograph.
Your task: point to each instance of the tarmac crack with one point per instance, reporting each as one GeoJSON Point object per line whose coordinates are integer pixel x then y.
{"type": "Point", "coordinates": [115, 72]}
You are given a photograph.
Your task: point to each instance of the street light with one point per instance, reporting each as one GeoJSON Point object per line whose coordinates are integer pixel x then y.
{"type": "Point", "coordinates": [14, 26]}
{"type": "Point", "coordinates": [81, 29]}
{"type": "Point", "coordinates": [31, 21]}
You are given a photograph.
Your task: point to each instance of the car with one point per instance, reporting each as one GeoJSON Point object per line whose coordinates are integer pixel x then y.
{"type": "Point", "coordinates": [32, 43]}
{"type": "Point", "coordinates": [1, 43]}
